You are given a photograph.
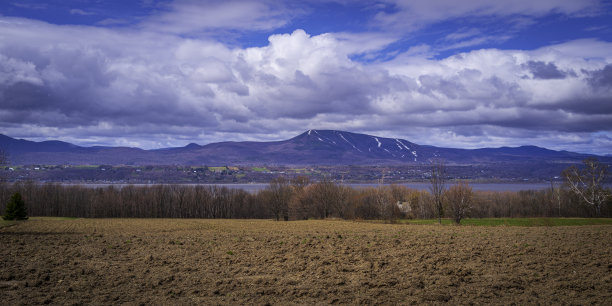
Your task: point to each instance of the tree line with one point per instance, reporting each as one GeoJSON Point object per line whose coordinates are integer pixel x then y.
{"type": "Point", "coordinates": [582, 195]}
{"type": "Point", "coordinates": [296, 199]}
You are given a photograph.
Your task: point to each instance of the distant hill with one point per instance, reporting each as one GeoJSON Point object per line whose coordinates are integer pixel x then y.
{"type": "Point", "coordinates": [313, 147]}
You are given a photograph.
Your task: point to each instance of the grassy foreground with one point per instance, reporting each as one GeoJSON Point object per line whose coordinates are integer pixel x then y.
{"type": "Point", "coordinates": [7, 223]}
{"type": "Point", "coordinates": [516, 221]}
{"type": "Point", "coordinates": [4, 223]}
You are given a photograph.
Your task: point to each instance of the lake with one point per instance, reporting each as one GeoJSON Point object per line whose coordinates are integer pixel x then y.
{"type": "Point", "coordinates": [252, 188]}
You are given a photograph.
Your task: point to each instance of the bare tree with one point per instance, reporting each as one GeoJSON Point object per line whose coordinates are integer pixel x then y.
{"type": "Point", "coordinates": [3, 162]}
{"type": "Point", "coordinates": [555, 196]}
{"type": "Point", "coordinates": [587, 182]}
{"type": "Point", "coordinates": [299, 208]}
{"type": "Point", "coordinates": [323, 197]}
{"type": "Point", "coordinates": [3, 157]}
{"type": "Point", "coordinates": [328, 198]}
{"type": "Point", "coordinates": [459, 198]}
{"type": "Point", "coordinates": [280, 195]}
{"type": "Point", "coordinates": [437, 180]}
{"type": "Point", "coordinates": [387, 206]}
{"type": "Point", "coordinates": [179, 194]}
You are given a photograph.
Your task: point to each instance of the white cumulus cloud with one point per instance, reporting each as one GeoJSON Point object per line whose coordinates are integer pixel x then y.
{"type": "Point", "coordinates": [154, 88]}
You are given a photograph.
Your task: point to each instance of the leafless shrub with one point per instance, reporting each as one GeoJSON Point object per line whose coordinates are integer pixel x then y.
{"type": "Point", "coordinates": [299, 206]}
{"type": "Point", "coordinates": [459, 197]}
{"type": "Point", "coordinates": [438, 181]}
{"type": "Point", "coordinates": [280, 194]}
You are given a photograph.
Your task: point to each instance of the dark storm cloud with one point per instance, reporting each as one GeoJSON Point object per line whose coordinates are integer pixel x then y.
{"type": "Point", "coordinates": [560, 121]}
{"type": "Point", "coordinates": [594, 105]}
{"type": "Point", "coordinates": [83, 99]}
{"type": "Point", "coordinates": [546, 71]}
{"type": "Point", "coordinates": [27, 97]}
{"type": "Point", "coordinates": [75, 78]}
{"type": "Point", "coordinates": [601, 79]}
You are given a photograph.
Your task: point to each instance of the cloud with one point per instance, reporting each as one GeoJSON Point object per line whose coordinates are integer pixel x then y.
{"type": "Point", "coordinates": [601, 79]}
{"type": "Point", "coordinates": [113, 22]}
{"type": "Point", "coordinates": [478, 22]}
{"type": "Point", "coordinates": [80, 12]}
{"type": "Point", "coordinates": [546, 71]}
{"type": "Point", "coordinates": [410, 15]}
{"type": "Point", "coordinates": [198, 17]}
{"type": "Point", "coordinates": [31, 6]}
{"type": "Point", "coordinates": [86, 77]}
{"type": "Point", "coordinates": [152, 89]}
{"type": "Point", "coordinates": [463, 34]}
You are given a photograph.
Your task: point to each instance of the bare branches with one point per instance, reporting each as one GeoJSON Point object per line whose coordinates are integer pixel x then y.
{"type": "Point", "coordinates": [587, 182]}
{"type": "Point", "coordinates": [555, 196]}
{"type": "Point", "coordinates": [280, 195]}
{"type": "Point", "coordinates": [3, 158]}
{"type": "Point", "coordinates": [438, 180]}
{"type": "Point", "coordinates": [329, 199]}
{"type": "Point", "coordinates": [299, 206]}
{"type": "Point", "coordinates": [459, 198]}
{"type": "Point", "coordinates": [3, 162]}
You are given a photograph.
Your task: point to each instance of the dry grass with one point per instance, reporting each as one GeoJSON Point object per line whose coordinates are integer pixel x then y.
{"type": "Point", "coordinates": [169, 261]}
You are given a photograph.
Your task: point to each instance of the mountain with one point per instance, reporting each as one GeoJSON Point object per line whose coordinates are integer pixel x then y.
{"type": "Point", "coordinates": [23, 146]}
{"type": "Point", "coordinates": [313, 147]}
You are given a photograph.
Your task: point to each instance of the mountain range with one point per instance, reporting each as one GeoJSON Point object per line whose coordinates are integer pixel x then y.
{"type": "Point", "coordinates": [313, 147]}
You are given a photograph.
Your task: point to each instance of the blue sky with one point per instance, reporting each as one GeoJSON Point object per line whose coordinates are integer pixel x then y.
{"type": "Point", "coordinates": [154, 74]}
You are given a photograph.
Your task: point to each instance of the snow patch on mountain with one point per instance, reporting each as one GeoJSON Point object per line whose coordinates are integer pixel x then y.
{"type": "Point", "coordinates": [401, 143]}
{"type": "Point", "coordinates": [349, 142]}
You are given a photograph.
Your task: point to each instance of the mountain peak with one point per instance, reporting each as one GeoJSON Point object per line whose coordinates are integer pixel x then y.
{"type": "Point", "coordinates": [362, 146]}
{"type": "Point", "coordinates": [193, 146]}
{"type": "Point", "coordinates": [313, 147]}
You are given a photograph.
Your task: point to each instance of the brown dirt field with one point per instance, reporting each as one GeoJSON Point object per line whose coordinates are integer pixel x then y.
{"type": "Point", "coordinates": [134, 261]}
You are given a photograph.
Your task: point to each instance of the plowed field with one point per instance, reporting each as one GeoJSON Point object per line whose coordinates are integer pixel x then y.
{"type": "Point", "coordinates": [134, 261]}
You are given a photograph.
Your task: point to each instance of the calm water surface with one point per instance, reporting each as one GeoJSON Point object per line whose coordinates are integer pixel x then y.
{"type": "Point", "coordinates": [252, 188]}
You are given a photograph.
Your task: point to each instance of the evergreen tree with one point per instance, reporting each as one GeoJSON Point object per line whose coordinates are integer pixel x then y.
{"type": "Point", "coordinates": [15, 209]}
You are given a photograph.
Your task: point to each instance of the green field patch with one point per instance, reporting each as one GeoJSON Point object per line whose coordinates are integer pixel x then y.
{"type": "Point", "coordinates": [217, 169]}
{"type": "Point", "coordinates": [5, 223]}
{"type": "Point", "coordinates": [301, 171]}
{"type": "Point", "coordinates": [516, 221]}
{"type": "Point", "coordinates": [52, 218]}
{"type": "Point", "coordinates": [260, 169]}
